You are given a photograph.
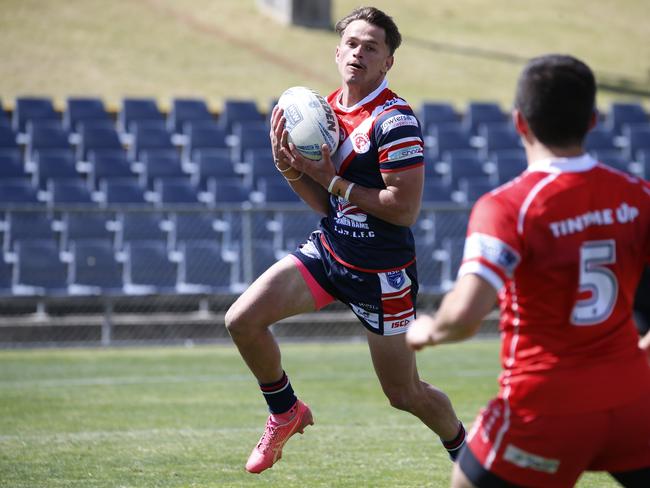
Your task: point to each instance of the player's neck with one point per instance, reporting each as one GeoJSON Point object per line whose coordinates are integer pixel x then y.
{"type": "Point", "coordinates": [535, 152]}
{"type": "Point", "coordinates": [351, 94]}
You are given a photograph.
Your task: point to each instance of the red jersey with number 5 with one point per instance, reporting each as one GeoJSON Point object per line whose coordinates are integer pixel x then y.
{"type": "Point", "coordinates": [565, 244]}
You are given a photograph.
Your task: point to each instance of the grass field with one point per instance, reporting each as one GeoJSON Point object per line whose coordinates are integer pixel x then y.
{"type": "Point", "coordinates": [453, 50]}
{"type": "Point", "coordinates": [188, 417]}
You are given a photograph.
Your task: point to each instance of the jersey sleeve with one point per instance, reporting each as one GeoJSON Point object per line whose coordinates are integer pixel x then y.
{"type": "Point", "coordinates": [492, 246]}
{"type": "Point", "coordinates": [399, 140]}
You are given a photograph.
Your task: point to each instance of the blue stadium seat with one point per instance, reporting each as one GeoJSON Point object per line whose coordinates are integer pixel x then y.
{"type": "Point", "coordinates": [8, 138]}
{"type": "Point", "coordinates": [148, 269]}
{"type": "Point", "coordinates": [212, 163]}
{"type": "Point", "coordinates": [204, 137]}
{"type": "Point", "coordinates": [46, 137]}
{"type": "Point", "coordinates": [54, 164]}
{"type": "Point", "coordinates": [176, 191]}
{"type": "Point", "coordinates": [507, 165]}
{"type": "Point", "coordinates": [264, 256]}
{"type": "Point", "coordinates": [452, 257]}
{"type": "Point", "coordinates": [624, 113]}
{"type": "Point", "coordinates": [26, 226]}
{"type": "Point", "coordinates": [498, 137]}
{"type": "Point", "coordinates": [259, 164]}
{"type": "Point", "coordinates": [81, 109]}
{"type": "Point", "coordinates": [85, 226]}
{"type": "Point", "coordinates": [137, 109]}
{"type": "Point", "coordinates": [193, 226]}
{"type": "Point", "coordinates": [145, 138]}
{"type": "Point", "coordinates": [462, 164]}
{"type": "Point", "coordinates": [436, 113]}
{"type": "Point", "coordinates": [6, 277]}
{"type": "Point", "coordinates": [296, 227]}
{"type": "Point", "coordinates": [228, 190]}
{"type": "Point", "coordinates": [108, 163]}
{"type": "Point", "coordinates": [122, 191]}
{"type": "Point", "coordinates": [477, 113]}
{"type": "Point", "coordinates": [449, 137]}
{"type": "Point", "coordinates": [276, 190]}
{"type": "Point", "coordinates": [18, 192]}
{"type": "Point", "coordinates": [642, 163]}
{"type": "Point", "coordinates": [600, 138]}
{"type": "Point", "coordinates": [160, 163]}
{"type": "Point", "coordinates": [472, 188]}
{"type": "Point", "coordinates": [32, 108]}
{"type": "Point", "coordinates": [139, 226]}
{"type": "Point", "coordinates": [436, 191]}
{"type": "Point", "coordinates": [11, 164]}
{"type": "Point", "coordinates": [203, 268]}
{"type": "Point", "coordinates": [39, 269]}
{"type": "Point", "coordinates": [250, 137]}
{"type": "Point", "coordinates": [96, 137]}
{"type": "Point", "coordinates": [69, 191]}
{"type": "Point", "coordinates": [238, 111]}
{"type": "Point", "coordinates": [94, 269]}
{"type": "Point", "coordinates": [185, 110]}
{"type": "Point", "coordinates": [430, 267]}
{"type": "Point", "coordinates": [638, 138]}
{"type": "Point", "coordinates": [449, 224]}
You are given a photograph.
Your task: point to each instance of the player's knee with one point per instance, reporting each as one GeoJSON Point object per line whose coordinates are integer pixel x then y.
{"type": "Point", "coordinates": [401, 398]}
{"type": "Point", "coordinates": [234, 322]}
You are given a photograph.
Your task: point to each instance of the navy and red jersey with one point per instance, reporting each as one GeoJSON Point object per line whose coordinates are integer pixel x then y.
{"type": "Point", "coordinates": [380, 134]}
{"type": "Point", "coordinates": [564, 244]}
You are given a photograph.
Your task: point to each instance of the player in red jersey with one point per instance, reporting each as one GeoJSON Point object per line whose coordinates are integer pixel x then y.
{"type": "Point", "coordinates": [363, 253]}
{"type": "Point", "coordinates": [562, 248]}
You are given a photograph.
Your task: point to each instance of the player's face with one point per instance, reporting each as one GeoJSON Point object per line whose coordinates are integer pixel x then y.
{"type": "Point", "coordinates": [362, 56]}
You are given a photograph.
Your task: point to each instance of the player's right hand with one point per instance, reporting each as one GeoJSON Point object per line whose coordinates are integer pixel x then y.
{"type": "Point", "coordinates": [418, 335]}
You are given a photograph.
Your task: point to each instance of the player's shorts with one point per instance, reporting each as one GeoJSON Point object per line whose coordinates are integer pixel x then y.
{"type": "Point", "coordinates": [383, 302]}
{"type": "Point", "coordinates": [506, 449]}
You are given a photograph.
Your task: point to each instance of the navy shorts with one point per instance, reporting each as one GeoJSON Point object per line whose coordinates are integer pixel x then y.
{"type": "Point", "coordinates": [384, 302]}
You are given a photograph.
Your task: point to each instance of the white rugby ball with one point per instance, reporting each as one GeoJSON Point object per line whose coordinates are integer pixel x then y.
{"type": "Point", "coordinates": [310, 120]}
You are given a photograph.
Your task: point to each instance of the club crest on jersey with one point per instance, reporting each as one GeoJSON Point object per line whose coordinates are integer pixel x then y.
{"type": "Point", "coordinates": [395, 279]}
{"type": "Point", "coordinates": [361, 143]}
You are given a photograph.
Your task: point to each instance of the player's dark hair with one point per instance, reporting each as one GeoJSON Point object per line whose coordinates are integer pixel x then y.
{"type": "Point", "coordinates": [377, 18]}
{"type": "Point", "coordinates": [556, 94]}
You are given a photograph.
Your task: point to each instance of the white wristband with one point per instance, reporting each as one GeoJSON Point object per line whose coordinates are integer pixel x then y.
{"type": "Point", "coordinates": [347, 192]}
{"type": "Point", "coordinates": [335, 178]}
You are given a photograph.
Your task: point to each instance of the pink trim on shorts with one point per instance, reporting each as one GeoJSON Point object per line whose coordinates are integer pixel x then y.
{"type": "Point", "coordinates": [321, 297]}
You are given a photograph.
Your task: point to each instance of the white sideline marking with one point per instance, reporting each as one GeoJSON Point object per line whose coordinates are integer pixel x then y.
{"type": "Point", "coordinates": [216, 378]}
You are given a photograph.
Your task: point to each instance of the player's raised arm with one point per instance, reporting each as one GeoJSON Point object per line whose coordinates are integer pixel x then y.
{"type": "Point", "coordinates": [459, 316]}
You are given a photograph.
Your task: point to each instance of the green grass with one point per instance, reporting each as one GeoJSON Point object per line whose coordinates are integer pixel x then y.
{"type": "Point", "coordinates": [179, 417]}
{"type": "Point", "coordinates": [225, 48]}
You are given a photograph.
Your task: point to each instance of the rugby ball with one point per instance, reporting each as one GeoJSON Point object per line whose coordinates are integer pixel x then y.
{"type": "Point", "coordinates": [310, 120]}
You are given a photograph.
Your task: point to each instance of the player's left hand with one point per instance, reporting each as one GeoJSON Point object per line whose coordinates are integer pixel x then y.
{"type": "Point", "coordinates": [419, 333]}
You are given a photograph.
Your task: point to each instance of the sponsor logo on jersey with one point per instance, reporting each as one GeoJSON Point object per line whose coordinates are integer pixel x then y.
{"type": "Point", "coordinates": [396, 121]}
{"type": "Point", "coordinates": [526, 460]}
{"type": "Point", "coordinates": [405, 153]}
{"type": "Point", "coordinates": [361, 142]}
{"type": "Point", "coordinates": [494, 250]}
{"type": "Point", "coordinates": [293, 117]}
{"type": "Point", "coordinates": [395, 279]}
{"type": "Point", "coordinates": [372, 319]}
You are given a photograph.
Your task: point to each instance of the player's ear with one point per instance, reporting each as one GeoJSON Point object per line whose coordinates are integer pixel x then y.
{"type": "Point", "coordinates": [388, 64]}
{"type": "Point", "coordinates": [594, 119]}
{"type": "Point", "coordinates": [521, 126]}
{"type": "Point", "coordinates": [336, 54]}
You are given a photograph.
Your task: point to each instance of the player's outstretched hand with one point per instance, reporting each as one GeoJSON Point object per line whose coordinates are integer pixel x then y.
{"type": "Point", "coordinates": [644, 344]}
{"type": "Point", "coordinates": [419, 333]}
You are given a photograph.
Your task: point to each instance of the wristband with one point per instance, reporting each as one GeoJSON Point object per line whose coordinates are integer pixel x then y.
{"type": "Point", "coordinates": [335, 178]}
{"type": "Point", "coordinates": [282, 170]}
{"type": "Point", "coordinates": [347, 192]}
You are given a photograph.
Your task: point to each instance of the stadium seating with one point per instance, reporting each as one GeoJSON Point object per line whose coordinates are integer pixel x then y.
{"type": "Point", "coordinates": [437, 113]}
{"type": "Point", "coordinates": [80, 109]}
{"type": "Point", "coordinates": [148, 269]}
{"type": "Point", "coordinates": [461, 164]}
{"type": "Point", "coordinates": [204, 269]}
{"type": "Point", "coordinates": [139, 226]}
{"type": "Point", "coordinates": [6, 277]}
{"type": "Point", "coordinates": [11, 165]}
{"type": "Point", "coordinates": [116, 192]}
{"type": "Point", "coordinates": [176, 191]}
{"type": "Point", "coordinates": [238, 111]}
{"type": "Point", "coordinates": [625, 113]}
{"type": "Point", "coordinates": [449, 137]}
{"type": "Point", "coordinates": [204, 136]}
{"type": "Point", "coordinates": [160, 163]}
{"type": "Point", "coordinates": [637, 139]}
{"type": "Point", "coordinates": [8, 138]}
{"type": "Point", "coordinates": [194, 226]}
{"type": "Point", "coordinates": [430, 267]}
{"type": "Point", "coordinates": [45, 137]}
{"type": "Point", "coordinates": [472, 188]}
{"type": "Point", "coordinates": [255, 136]}
{"type": "Point", "coordinates": [137, 109]}
{"type": "Point", "coordinates": [148, 137]}
{"type": "Point", "coordinates": [54, 164]}
{"type": "Point", "coordinates": [97, 137]}
{"type": "Point", "coordinates": [506, 165]}
{"type": "Point", "coordinates": [437, 191]}
{"type": "Point", "coordinates": [478, 113]}
{"type": "Point", "coordinates": [39, 269]}
{"type": "Point", "coordinates": [27, 226]}
{"type": "Point", "coordinates": [228, 190]}
{"type": "Point", "coordinates": [600, 138]}
{"type": "Point", "coordinates": [85, 226]}
{"type": "Point", "coordinates": [108, 163]}
{"type": "Point", "coordinates": [32, 108]}
{"type": "Point", "coordinates": [184, 110]}
{"type": "Point", "coordinates": [72, 191]}
{"type": "Point", "coordinates": [17, 192]}
{"type": "Point", "coordinates": [94, 270]}
{"type": "Point", "coordinates": [212, 163]}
